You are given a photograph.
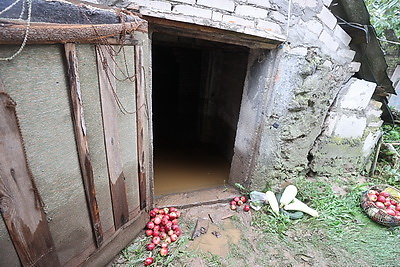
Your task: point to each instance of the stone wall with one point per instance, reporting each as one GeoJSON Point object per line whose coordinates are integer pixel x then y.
{"type": "Point", "coordinates": [351, 131]}
{"type": "Point", "coordinates": [288, 124]}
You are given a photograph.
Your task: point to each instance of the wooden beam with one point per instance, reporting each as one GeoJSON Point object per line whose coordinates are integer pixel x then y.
{"type": "Point", "coordinates": [141, 117]}
{"type": "Point", "coordinates": [20, 202]}
{"type": "Point", "coordinates": [106, 70]}
{"type": "Point", "coordinates": [49, 33]}
{"type": "Point", "coordinates": [213, 34]}
{"type": "Point", "coordinates": [82, 141]}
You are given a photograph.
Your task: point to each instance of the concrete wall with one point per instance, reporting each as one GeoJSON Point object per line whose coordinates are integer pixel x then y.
{"type": "Point", "coordinates": [289, 91]}
{"type": "Point", "coordinates": [394, 100]}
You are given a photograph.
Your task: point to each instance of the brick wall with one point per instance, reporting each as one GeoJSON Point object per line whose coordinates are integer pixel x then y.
{"type": "Point", "coordinates": [308, 72]}
{"type": "Point", "coordinates": [311, 22]}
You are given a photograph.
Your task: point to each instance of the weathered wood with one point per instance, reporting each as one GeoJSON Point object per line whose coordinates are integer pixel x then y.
{"type": "Point", "coordinates": [106, 69]}
{"type": "Point", "coordinates": [50, 33]}
{"type": "Point", "coordinates": [114, 242]}
{"type": "Point", "coordinates": [376, 156]}
{"type": "Point", "coordinates": [213, 34]}
{"type": "Point", "coordinates": [82, 141]}
{"type": "Point", "coordinates": [141, 110]}
{"type": "Point", "coordinates": [20, 203]}
{"type": "Point", "coordinates": [201, 228]}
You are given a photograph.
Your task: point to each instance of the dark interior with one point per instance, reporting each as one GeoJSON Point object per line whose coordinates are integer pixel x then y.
{"type": "Point", "coordinates": [197, 89]}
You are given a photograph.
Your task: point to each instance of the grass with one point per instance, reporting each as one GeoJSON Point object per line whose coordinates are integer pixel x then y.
{"type": "Point", "coordinates": [391, 132]}
{"type": "Point", "coordinates": [388, 170]}
{"type": "Point", "coordinates": [342, 224]}
{"type": "Point", "coordinates": [136, 253]}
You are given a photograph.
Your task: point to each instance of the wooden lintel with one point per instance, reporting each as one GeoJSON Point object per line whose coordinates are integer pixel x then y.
{"type": "Point", "coordinates": [50, 33]}
{"type": "Point", "coordinates": [141, 110]}
{"type": "Point", "coordinates": [212, 34]}
{"type": "Point", "coordinates": [20, 203]}
{"type": "Point", "coordinates": [82, 142]}
{"type": "Point", "coordinates": [107, 82]}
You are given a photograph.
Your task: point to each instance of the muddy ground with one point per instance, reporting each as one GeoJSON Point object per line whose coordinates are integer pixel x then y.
{"type": "Point", "coordinates": [339, 237]}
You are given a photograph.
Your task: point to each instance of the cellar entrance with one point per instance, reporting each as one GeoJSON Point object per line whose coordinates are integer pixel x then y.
{"type": "Point", "coordinates": [197, 90]}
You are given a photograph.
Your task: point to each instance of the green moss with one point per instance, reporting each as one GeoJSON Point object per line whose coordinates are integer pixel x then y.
{"type": "Point", "coordinates": [341, 141]}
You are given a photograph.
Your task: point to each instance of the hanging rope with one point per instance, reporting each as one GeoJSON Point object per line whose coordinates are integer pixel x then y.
{"type": "Point", "coordinates": [9, 7]}
{"type": "Point", "coordinates": [28, 24]}
{"type": "Point", "coordinates": [113, 54]}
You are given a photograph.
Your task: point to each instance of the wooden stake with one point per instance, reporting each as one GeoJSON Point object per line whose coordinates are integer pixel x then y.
{"type": "Point", "coordinates": [141, 110]}
{"type": "Point", "coordinates": [82, 142]}
{"type": "Point", "coordinates": [374, 162]}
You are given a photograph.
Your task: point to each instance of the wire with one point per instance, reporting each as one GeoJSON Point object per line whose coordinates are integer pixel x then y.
{"type": "Point", "coordinates": [390, 42]}
{"type": "Point", "coordinates": [288, 20]}
{"type": "Point", "coordinates": [9, 7]}
{"type": "Point", "coordinates": [28, 25]}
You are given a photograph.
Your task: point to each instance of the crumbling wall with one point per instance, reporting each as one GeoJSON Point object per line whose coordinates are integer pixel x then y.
{"type": "Point", "coordinates": [289, 92]}
{"type": "Point", "coordinates": [350, 132]}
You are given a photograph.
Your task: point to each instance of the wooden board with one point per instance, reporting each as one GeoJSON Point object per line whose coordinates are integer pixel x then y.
{"type": "Point", "coordinates": [141, 112]}
{"type": "Point", "coordinates": [20, 203]}
{"type": "Point", "coordinates": [82, 142]}
{"type": "Point", "coordinates": [106, 68]}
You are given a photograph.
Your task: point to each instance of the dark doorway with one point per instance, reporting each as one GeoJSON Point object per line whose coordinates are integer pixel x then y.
{"type": "Point", "coordinates": [197, 90]}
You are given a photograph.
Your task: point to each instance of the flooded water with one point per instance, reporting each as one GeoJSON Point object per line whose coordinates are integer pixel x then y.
{"type": "Point", "coordinates": [217, 240]}
{"type": "Point", "coordinates": [188, 168]}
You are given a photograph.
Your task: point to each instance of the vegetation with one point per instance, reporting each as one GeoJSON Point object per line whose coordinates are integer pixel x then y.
{"type": "Point", "coordinates": [385, 17]}
{"type": "Point", "coordinates": [388, 166]}
{"type": "Point", "coordinates": [385, 14]}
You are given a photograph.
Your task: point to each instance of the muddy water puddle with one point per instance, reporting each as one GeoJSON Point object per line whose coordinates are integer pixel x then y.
{"type": "Point", "coordinates": [189, 169]}
{"type": "Point", "coordinates": [217, 240]}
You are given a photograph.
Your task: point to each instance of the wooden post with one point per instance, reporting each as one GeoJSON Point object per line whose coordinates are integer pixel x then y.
{"type": "Point", "coordinates": [82, 142]}
{"type": "Point", "coordinates": [141, 110]}
{"type": "Point", "coordinates": [106, 70]}
{"type": "Point", "coordinates": [20, 203]}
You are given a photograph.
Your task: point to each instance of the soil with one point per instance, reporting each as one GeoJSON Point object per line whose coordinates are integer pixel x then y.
{"type": "Point", "coordinates": [236, 238]}
{"type": "Point", "coordinates": [240, 245]}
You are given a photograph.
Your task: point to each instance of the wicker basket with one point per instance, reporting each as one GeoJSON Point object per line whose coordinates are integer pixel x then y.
{"type": "Point", "coordinates": [376, 214]}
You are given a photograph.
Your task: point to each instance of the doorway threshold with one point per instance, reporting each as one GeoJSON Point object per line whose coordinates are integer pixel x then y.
{"type": "Point", "coordinates": [197, 198]}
